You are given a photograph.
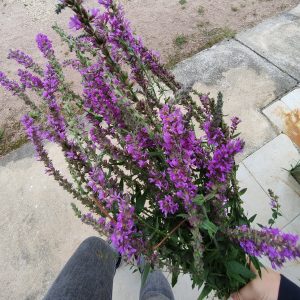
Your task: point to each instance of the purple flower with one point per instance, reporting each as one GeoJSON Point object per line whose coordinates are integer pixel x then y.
{"type": "Point", "coordinates": [222, 161]}
{"type": "Point", "coordinates": [21, 58]}
{"type": "Point", "coordinates": [45, 45]}
{"type": "Point", "coordinates": [94, 12]}
{"type": "Point", "coordinates": [214, 135]}
{"type": "Point", "coordinates": [99, 97]}
{"type": "Point", "coordinates": [137, 147]}
{"type": "Point", "coordinates": [124, 236]}
{"type": "Point", "coordinates": [235, 121]}
{"type": "Point", "coordinates": [9, 85]}
{"type": "Point", "coordinates": [55, 119]}
{"type": "Point", "coordinates": [270, 242]}
{"type": "Point", "coordinates": [168, 206]}
{"type": "Point", "coordinates": [29, 80]}
{"type": "Point", "coordinates": [37, 135]}
{"type": "Point", "coordinates": [75, 23]}
{"type": "Point", "coordinates": [180, 146]}
{"type": "Point", "coordinates": [51, 82]}
{"type": "Point", "coordinates": [106, 3]}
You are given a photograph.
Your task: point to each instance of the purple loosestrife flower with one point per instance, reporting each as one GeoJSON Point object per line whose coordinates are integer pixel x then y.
{"type": "Point", "coordinates": [137, 147]}
{"type": "Point", "coordinates": [99, 97]}
{"type": "Point", "coordinates": [214, 135]}
{"type": "Point", "coordinates": [29, 80]}
{"type": "Point", "coordinates": [235, 121]}
{"type": "Point", "coordinates": [93, 13]}
{"type": "Point", "coordinates": [51, 82]}
{"type": "Point", "coordinates": [179, 145]}
{"type": "Point", "coordinates": [36, 135]}
{"type": "Point", "coordinates": [55, 119]}
{"type": "Point", "coordinates": [124, 236]}
{"type": "Point", "coordinates": [270, 242]}
{"type": "Point", "coordinates": [75, 23]}
{"type": "Point", "coordinates": [45, 45]}
{"type": "Point", "coordinates": [9, 85]}
{"type": "Point", "coordinates": [106, 3]}
{"type": "Point", "coordinates": [124, 233]}
{"type": "Point", "coordinates": [168, 206]}
{"type": "Point", "coordinates": [159, 179]}
{"type": "Point", "coordinates": [21, 58]}
{"type": "Point", "coordinates": [222, 162]}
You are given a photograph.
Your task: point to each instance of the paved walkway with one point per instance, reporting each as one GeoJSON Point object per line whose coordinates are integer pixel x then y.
{"type": "Point", "coordinates": [258, 73]}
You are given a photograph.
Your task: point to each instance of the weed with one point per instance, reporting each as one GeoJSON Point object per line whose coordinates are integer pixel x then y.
{"type": "Point", "coordinates": [182, 2]}
{"type": "Point", "coordinates": [1, 134]}
{"type": "Point", "coordinates": [202, 24]}
{"type": "Point", "coordinates": [180, 40]}
{"type": "Point", "coordinates": [213, 37]}
{"type": "Point", "coordinates": [201, 10]}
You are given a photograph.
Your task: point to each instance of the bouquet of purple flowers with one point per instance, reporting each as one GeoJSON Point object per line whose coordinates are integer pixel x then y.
{"type": "Point", "coordinates": [151, 162]}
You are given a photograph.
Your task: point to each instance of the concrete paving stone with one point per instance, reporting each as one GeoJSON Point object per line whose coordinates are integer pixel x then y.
{"type": "Point", "coordinates": [247, 82]}
{"type": "Point", "coordinates": [39, 231]}
{"type": "Point", "coordinates": [292, 99]}
{"type": "Point", "coordinates": [277, 40]}
{"type": "Point", "coordinates": [275, 112]}
{"type": "Point", "coordinates": [267, 166]}
{"type": "Point", "coordinates": [256, 200]}
{"type": "Point", "coordinates": [295, 11]}
{"type": "Point", "coordinates": [292, 269]}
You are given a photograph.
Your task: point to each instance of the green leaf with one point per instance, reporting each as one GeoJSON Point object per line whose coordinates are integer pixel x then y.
{"type": "Point", "coordinates": [175, 275]}
{"type": "Point", "coordinates": [206, 290]}
{"type": "Point", "coordinates": [238, 268]}
{"type": "Point", "coordinates": [145, 274]}
{"type": "Point", "coordinates": [242, 192]}
{"type": "Point", "coordinates": [252, 218]}
{"type": "Point", "coordinates": [185, 216]}
{"type": "Point", "coordinates": [256, 264]}
{"type": "Point", "coordinates": [210, 196]}
{"type": "Point", "coordinates": [156, 153]}
{"type": "Point", "coordinates": [237, 278]}
{"type": "Point", "coordinates": [210, 227]}
{"type": "Point", "coordinates": [199, 200]}
{"type": "Point", "coordinates": [140, 200]}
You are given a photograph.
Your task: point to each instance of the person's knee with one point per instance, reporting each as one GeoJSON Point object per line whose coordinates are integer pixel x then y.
{"type": "Point", "coordinates": [92, 242]}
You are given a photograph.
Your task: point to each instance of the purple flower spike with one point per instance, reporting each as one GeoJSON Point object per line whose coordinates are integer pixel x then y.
{"type": "Point", "coordinates": [168, 206]}
{"type": "Point", "coordinates": [9, 85]}
{"type": "Point", "coordinates": [45, 45]}
{"type": "Point", "coordinates": [21, 58]}
{"type": "Point", "coordinates": [75, 23]}
{"type": "Point", "coordinates": [30, 81]}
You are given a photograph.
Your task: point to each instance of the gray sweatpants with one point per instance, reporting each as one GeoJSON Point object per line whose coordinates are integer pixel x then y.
{"type": "Point", "coordinates": [89, 274]}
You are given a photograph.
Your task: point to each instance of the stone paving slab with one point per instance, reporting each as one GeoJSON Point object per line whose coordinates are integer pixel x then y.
{"type": "Point", "coordinates": [285, 115]}
{"type": "Point", "coordinates": [292, 99]}
{"type": "Point", "coordinates": [268, 166]}
{"type": "Point", "coordinates": [295, 11]}
{"type": "Point", "coordinates": [38, 228]}
{"type": "Point", "coordinates": [256, 200]}
{"type": "Point", "coordinates": [247, 82]}
{"type": "Point", "coordinates": [275, 113]}
{"type": "Point", "coordinates": [277, 40]}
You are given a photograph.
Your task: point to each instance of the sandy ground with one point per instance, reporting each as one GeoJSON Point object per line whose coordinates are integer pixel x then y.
{"type": "Point", "coordinates": [176, 28]}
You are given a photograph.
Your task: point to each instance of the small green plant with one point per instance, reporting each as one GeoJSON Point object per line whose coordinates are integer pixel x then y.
{"type": "Point", "coordinates": [295, 171]}
{"type": "Point", "coordinates": [180, 40]}
{"type": "Point", "coordinates": [201, 10]}
{"type": "Point", "coordinates": [1, 134]}
{"type": "Point", "coordinates": [182, 2]}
